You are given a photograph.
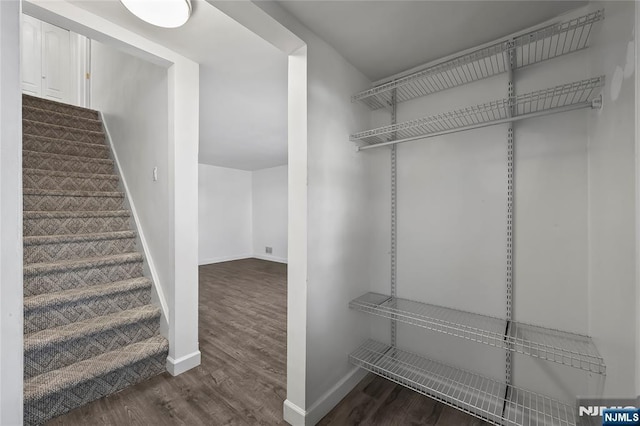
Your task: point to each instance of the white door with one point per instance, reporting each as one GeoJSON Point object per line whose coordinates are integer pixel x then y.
{"type": "Point", "coordinates": [31, 56]}
{"type": "Point", "coordinates": [56, 66]}
{"type": "Point", "coordinates": [46, 60]}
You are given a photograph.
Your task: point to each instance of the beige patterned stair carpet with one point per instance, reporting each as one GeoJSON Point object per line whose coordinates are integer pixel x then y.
{"type": "Point", "coordinates": [89, 326]}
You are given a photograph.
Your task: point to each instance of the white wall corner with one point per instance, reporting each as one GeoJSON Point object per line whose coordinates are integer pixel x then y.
{"type": "Point", "coordinates": [296, 416]}
{"type": "Point", "coordinates": [139, 231]}
{"type": "Point", "coordinates": [182, 364]}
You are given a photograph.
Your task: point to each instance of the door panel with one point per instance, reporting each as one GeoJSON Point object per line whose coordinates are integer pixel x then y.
{"type": "Point", "coordinates": [56, 69]}
{"type": "Point", "coordinates": [30, 56]}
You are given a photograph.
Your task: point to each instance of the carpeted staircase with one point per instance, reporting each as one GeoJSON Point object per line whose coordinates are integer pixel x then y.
{"type": "Point", "coordinates": [89, 326]}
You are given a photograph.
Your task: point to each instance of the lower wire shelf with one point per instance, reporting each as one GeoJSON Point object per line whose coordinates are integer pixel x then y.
{"type": "Point", "coordinates": [479, 396]}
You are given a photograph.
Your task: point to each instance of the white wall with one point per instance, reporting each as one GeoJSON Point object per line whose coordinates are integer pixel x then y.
{"type": "Point", "coordinates": [269, 212]}
{"type": "Point", "coordinates": [11, 290]}
{"type": "Point", "coordinates": [132, 95]}
{"type": "Point", "coordinates": [612, 214]}
{"type": "Point", "coordinates": [224, 212]}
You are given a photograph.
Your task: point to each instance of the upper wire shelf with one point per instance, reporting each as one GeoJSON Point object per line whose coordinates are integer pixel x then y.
{"type": "Point", "coordinates": [556, 99]}
{"type": "Point", "coordinates": [565, 348]}
{"type": "Point", "coordinates": [472, 393]}
{"type": "Point", "coordinates": [537, 46]}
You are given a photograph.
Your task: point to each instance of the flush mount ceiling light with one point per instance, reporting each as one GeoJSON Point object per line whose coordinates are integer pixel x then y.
{"type": "Point", "coordinates": [162, 13]}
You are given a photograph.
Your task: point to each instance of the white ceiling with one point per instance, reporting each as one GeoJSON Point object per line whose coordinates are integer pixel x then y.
{"type": "Point", "coordinates": [382, 38]}
{"type": "Point", "coordinates": [243, 83]}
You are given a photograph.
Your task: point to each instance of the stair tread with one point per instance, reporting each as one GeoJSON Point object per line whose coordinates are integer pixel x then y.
{"type": "Point", "coordinates": [57, 113]}
{"type": "Point", "coordinates": [87, 262]}
{"type": "Point", "coordinates": [62, 173]}
{"type": "Point", "coordinates": [39, 386]}
{"type": "Point", "coordinates": [69, 142]}
{"type": "Point", "coordinates": [45, 300]}
{"type": "Point", "coordinates": [69, 157]}
{"type": "Point", "coordinates": [64, 128]}
{"type": "Point", "coordinates": [68, 238]}
{"type": "Point", "coordinates": [50, 101]}
{"type": "Point", "coordinates": [64, 333]}
{"type": "Point", "coordinates": [72, 193]}
{"type": "Point", "coordinates": [62, 214]}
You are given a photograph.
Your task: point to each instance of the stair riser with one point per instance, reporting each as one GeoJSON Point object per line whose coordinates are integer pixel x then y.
{"type": "Point", "coordinates": [52, 357]}
{"type": "Point", "coordinates": [60, 108]}
{"type": "Point", "coordinates": [38, 181]}
{"type": "Point", "coordinates": [60, 203]}
{"type": "Point", "coordinates": [64, 400]}
{"type": "Point", "coordinates": [34, 161]}
{"type": "Point", "coordinates": [55, 132]}
{"type": "Point", "coordinates": [45, 116]}
{"type": "Point", "coordinates": [57, 281]}
{"type": "Point", "coordinates": [63, 314]}
{"type": "Point", "coordinates": [56, 146]}
{"type": "Point", "coordinates": [45, 253]}
{"type": "Point", "coordinates": [75, 225]}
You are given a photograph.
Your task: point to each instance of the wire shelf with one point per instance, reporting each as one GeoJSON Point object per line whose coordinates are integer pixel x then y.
{"type": "Point", "coordinates": [537, 46]}
{"type": "Point", "coordinates": [547, 101]}
{"type": "Point", "coordinates": [565, 348]}
{"type": "Point", "coordinates": [479, 396]}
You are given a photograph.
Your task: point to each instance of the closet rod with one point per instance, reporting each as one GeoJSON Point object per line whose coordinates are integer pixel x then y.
{"type": "Point", "coordinates": [595, 103]}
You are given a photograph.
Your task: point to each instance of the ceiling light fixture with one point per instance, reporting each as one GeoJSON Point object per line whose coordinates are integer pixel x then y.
{"type": "Point", "coordinates": [161, 13]}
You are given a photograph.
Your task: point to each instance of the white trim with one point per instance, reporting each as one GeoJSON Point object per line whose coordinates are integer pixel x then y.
{"type": "Point", "coordinates": [221, 259]}
{"type": "Point", "coordinates": [296, 416]}
{"type": "Point", "coordinates": [270, 258]}
{"type": "Point", "coordinates": [140, 233]}
{"type": "Point", "coordinates": [293, 414]}
{"type": "Point", "coordinates": [182, 364]}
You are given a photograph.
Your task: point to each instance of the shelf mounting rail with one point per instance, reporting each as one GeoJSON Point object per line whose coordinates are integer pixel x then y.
{"type": "Point", "coordinates": [565, 97]}
{"type": "Point", "coordinates": [537, 46]}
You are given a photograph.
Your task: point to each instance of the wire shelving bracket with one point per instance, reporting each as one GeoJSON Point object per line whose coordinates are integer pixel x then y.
{"type": "Point", "coordinates": [537, 46]}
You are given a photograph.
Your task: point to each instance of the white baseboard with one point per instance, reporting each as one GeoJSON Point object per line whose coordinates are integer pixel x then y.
{"type": "Point", "coordinates": [223, 259]}
{"type": "Point", "coordinates": [296, 416]}
{"type": "Point", "coordinates": [270, 258]}
{"type": "Point", "coordinates": [182, 364]}
{"type": "Point", "coordinates": [293, 414]}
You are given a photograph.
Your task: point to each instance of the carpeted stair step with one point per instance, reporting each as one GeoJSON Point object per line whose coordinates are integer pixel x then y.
{"type": "Point", "coordinates": [51, 199]}
{"type": "Point", "coordinates": [42, 278]}
{"type": "Point", "coordinates": [66, 307]}
{"type": "Point", "coordinates": [64, 147]}
{"type": "Point", "coordinates": [69, 163]}
{"type": "Point", "coordinates": [61, 132]}
{"type": "Point", "coordinates": [59, 347]}
{"type": "Point", "coordinates": [53, 248]}
{"type": "Point", "coordinates": [53, 106]}
{"type": "Point", "coordinates": [61, 119]}
{"type": "Point", "coordinates": [51, 179]}
{"type": "Point", "coordinates": [77, 222]}
{"type": "Point", "coordinates": [57, 392]}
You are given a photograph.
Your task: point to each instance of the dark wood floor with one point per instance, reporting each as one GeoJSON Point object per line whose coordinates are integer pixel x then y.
{"type": "Point", "coordinates": [241, 380]}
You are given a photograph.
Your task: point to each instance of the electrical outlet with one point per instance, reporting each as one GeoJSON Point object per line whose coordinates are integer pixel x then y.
{"type": "Point", "coordinates": [268, 250]}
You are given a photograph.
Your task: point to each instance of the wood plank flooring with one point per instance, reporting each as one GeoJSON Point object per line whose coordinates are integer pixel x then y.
{"type": "Point", "coordinates": [241, 380]}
